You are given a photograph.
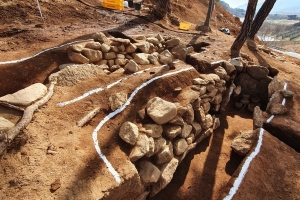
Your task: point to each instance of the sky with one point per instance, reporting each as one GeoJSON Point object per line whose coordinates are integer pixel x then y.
{"type": "Point", "coordinates": [236, 3]}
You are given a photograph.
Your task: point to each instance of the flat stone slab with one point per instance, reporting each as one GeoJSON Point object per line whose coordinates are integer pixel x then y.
{"type": "Point", "coordinates": [26, 96]}
{"type": "Point", "coordinates": [5, 124]}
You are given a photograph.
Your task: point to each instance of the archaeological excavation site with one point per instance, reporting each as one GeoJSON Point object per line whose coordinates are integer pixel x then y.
{"type": "Point", "coordinates": [102, 102]}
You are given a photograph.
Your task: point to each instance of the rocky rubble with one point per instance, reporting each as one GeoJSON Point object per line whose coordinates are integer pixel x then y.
{"type": "Point", "coordinates": [169, 130]}
{"type": "Point", "coordinates": [112, 54]}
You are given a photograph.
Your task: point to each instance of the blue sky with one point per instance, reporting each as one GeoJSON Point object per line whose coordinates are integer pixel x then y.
{"type": "Point", "coordinates": [236, 3]}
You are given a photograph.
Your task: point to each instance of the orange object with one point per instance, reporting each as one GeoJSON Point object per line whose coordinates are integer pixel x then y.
{"type": "Point", "coordinates": [185, 26]}
{"type": "Point", "coordinates": [114, 4]}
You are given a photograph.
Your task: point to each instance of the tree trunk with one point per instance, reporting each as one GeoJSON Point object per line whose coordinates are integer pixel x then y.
{"type": "Point", "coordinates": [209, 12]}
{"type": "Point", "coordinates": [162, 7]}
{"type": "Point", "coordinates": [260, 17]}
{"type": "Point", "coordinates": [240, 40]}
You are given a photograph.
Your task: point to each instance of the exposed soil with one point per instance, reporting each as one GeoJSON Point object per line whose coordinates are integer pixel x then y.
{"type": "Point", "coordinates": [76, 171]}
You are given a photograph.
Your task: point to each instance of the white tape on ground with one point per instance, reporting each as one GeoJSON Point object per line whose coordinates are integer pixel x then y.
{"type": "Point", "coordinates": [112, 114]}
{"type": "Point", "coordinates": [56, 47]}
{"type": "Point", "coordinates": [245, 167]}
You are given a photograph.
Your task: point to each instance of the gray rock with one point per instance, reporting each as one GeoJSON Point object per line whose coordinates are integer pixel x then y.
{"type": "Point", "coordinates": [247, 83]}
{"type": "Point", "coordinates": [105, 48]}
{"type": "Point", "coordinates": [119, 71]}
{"type": "Point", "coordinates": [277, 109]}
{"type": "Point", "coordinates": [141, 37]}
{"type": "Point", "coordinates": [151, 147]}
{"type": "Point", "coordinates": [180, 145]}
{"type": "Point", "coordinates": [167, 172]}
{"type": "Point", "coordinates": [143, 46]}
{"type": "Point", "coordinates": [26, 96]}
{"type": "Point", "coordinates": [152, 130]}
{"type": "Point", "coordinates": [200, 114]}
{"type": "Point", "coordinates": [153, 40]}
{"type": "Point", "coordinates": [238, 65]}
{"type": "Point", "coordinates": [161, 111]}
{"type": "Point", "coordinates": [120, 40]}
{"type": "Point", "coordinates": [132, 66]}
{"type": "Point", "coordinates": [92, 55]}
{"type": "Point", "coordinates": [159, 143]}
{"type": "Point", "coordinates": [258, 119]}
{"type": "Point", "coordinates": [78, 58]}
{"type": "Point", "coordinates": [114, 49]}
{"type": "Point", "coordinates": [200, 81]}
{"type": "Point", "coordinates": [76, 48]}
{"type": "Point", "coordinates": [141, 58]}
{"type": "Point", "coordinates": [153, 58]}
{"type": "Point", "coordinates": [186, 130]}
{"type": "Point", "coordinates": [140, 148]}
{"type": "Point", "coordinates": [177, 121]}
{"type": "Point", "coordinates": [121, 62]}
{"type": "Point", "coordinates": [171, 131]}
{"type": "Point", "coordinates": [208, 122]}
{"type": "Point", "coordinates": [5, 124]}
{"type": "Point", "coordinates": [221, 72]}
{"type": "Point", "coordinates": [196, 128]}
{"type": "Point", "coordinates": [206, 107]}
{"type": "Point", "coordinates": [110, 63]}
{"type": "Point", "coordinates": [172, 42]}
{"type": "Point", "coordinates": [114, 68]}
{"type": "Point", "coordinates": [244, 141]}
{"type": "Point", "coordinates": [165, 57]}
{"type": "Point", "coordinates": [230, 69]}
{"type": "Point", "coordinates": [131, 48]}
{"type": "Point", "coordinates": [148, 172]}
{"type": "Point", "coordinates": [257, 72]}
{"type": "Point", "coordinates": [93, 45]}
{"type": "Point", "coordinates": [117, 100]}
{"type": "Point", "coordinates": [110, 55]}
{"type": "Point", "coordinates": [287, 93]}
{"type": "Point", "coordinates": [217, 99]}
{"type": "Point", "coordinates": [160, 38]}
{"type": "Point", "coordinates": [210, 78]}
{"type": "Point", "coordinates": [216, 123]}
{"type": "Point", "coordinates": [165, 154]}
{"type": "Point", "coordinates": [274, 86]}
{"type": "Point", "coordinates": [129, 132]}
{"type": "Point", "coordinates": [100, 37]}
{"type": "Point", "coordinates": [142, 113]}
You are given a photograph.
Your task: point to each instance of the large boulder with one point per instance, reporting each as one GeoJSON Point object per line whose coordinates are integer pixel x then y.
{"type": "Point", "coordinates": [129, 132]}
{"type": "Point", "coordinates": [244, 142]}
{"type": "Point", "coordinates": [161, 111]}
{"type": "Point", "coordinates": [26, 96]}
{"type": "Point", "coordinates": [148, 172]}
{"type": "Point", "coordinates": [140, 148]}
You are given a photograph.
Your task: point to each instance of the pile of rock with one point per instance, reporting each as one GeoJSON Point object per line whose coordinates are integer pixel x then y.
{"type": "Point", "coordinates": [174, 129]}
{"type": "Point", "coordinates": [120, 54]}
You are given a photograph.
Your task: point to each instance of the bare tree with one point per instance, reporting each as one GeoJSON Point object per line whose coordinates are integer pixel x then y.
{"type": "Point", "coordinates": [240, 40]}
{"type": "Point", "coordinates": [260, 17]}
{"type": "Point", "coordinates": [209, 13]}
{"type": "Point", "coordinates": [162, 7]}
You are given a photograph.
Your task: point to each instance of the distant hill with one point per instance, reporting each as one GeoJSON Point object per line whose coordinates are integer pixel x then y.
{"type": "Point", "coordinates": [234, 11]}
{"type": "Point", "coordinates": [281, 7]}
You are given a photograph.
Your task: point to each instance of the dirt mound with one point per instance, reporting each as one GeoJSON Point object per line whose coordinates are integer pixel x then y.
{"type": "Point", "coordinates": [53, 158]}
